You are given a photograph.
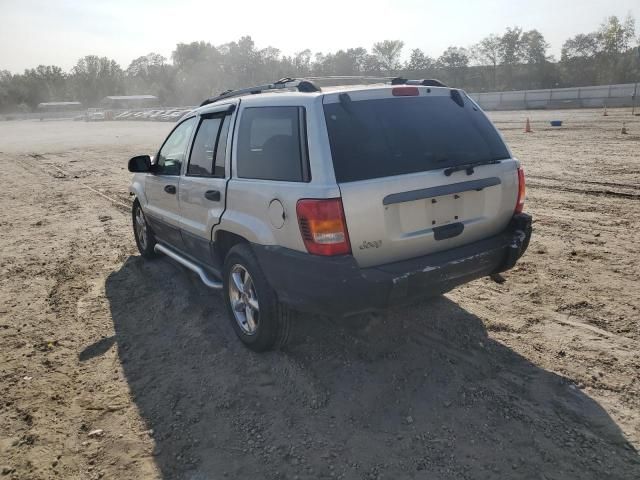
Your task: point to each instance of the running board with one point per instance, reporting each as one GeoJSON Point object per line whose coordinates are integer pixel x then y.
{"type": "Point", "coordinates": [190, 265]}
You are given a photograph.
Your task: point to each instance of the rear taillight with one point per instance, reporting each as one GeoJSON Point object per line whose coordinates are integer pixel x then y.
{"type": "Point", "coordinates": [405, 92]}
{"type": "Point", "coordinates": [521, 191]}
{"type": "Point", "coordinates": [323, 226]}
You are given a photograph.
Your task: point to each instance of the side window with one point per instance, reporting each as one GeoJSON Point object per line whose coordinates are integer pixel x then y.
{"type": "Point", "coordinates": [272, 144]}
{"type": "Point", "coordinates": [204, 146]}
{"type": "Point", "coordinates": [221, 149]}
{"type": "Point", "coordinates": [209, 148]}
{"type": "Point", "coordinates": [174, 149]}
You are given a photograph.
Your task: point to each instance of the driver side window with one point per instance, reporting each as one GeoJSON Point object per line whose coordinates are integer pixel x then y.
{"type": "Point", "coordinates": [174, 150]}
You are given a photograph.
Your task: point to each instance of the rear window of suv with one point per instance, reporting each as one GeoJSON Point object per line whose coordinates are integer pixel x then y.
{"type": "Point", "coordinates": [395, 136]}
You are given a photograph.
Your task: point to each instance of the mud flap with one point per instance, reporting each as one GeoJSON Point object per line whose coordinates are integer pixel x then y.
{"type": "Point", "coordinates": [521, 227]}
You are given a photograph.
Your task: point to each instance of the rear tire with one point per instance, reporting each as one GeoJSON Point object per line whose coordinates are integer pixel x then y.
{"type": "Point", "coordinates": [261, 322]}
{"type": "Point", "coordinates": [145, 239]}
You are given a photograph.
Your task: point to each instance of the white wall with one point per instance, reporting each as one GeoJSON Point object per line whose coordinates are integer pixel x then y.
{"type": "Point", "coordinates": [582, 97]}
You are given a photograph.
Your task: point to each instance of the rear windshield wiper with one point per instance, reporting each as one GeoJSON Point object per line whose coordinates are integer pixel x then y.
{"type": "Point", "coordinates": [468, 166]}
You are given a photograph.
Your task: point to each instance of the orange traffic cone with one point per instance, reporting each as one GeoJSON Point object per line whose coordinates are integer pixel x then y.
{"type": "Point", "coordinates": [605, 114]}
{"type": "Point", "coordinates": [527, 126]}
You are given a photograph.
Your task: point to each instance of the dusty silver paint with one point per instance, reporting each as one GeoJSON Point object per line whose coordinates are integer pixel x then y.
{"type": "Point", "coordinates": [386, 233]}
{"type": "Point", "coordinates": [405, 229]}
{"type": "Point", "coordinates": [198, 215]}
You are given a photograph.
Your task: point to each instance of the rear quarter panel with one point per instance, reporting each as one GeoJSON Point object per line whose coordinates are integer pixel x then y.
{"type": "Point", "coordinates": [248, 215]}
{"type": "Point", "coordinates": [248, 200]}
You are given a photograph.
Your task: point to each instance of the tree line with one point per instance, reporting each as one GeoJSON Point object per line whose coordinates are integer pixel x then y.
{"type": "Point", "coordinates": [513, 60]}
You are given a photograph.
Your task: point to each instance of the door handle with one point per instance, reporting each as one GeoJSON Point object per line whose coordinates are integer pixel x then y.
{"type": "Point", "coordinates": [213, 195]}
{"type": "Point", "coordinates": [170, 189]}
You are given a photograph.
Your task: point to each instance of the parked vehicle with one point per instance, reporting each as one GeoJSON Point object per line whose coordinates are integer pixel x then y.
{"type": "Point", "coordinates": [175, 116]}
{"type": "Point", "coordinates": [122, 115]}
{"type": "Point", "coordinates": [156, 114]}
{"type": "Point", "coordinates": [171, 115]}
{"type": "Point", "coordinates": [335, 202]}
{"type": "Point", "coordinates": [95, 115]}
{"type": "Point", "coordinates": [164, 117]}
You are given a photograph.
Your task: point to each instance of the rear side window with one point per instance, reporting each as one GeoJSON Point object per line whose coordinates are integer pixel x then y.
{"type": "Point", "coordinates": [221, 148]}
{"type": "Point", "coordinates": [209, 146]}
{"type": "Point", "coordinates": [272, 144]}
{"type": "Point", "coordinates": [396, 136]}
{"type": "Point", "coordinates": [204, 147]}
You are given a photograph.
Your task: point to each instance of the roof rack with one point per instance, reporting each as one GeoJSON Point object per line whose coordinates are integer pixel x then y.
{"type": "Point", "coordinates": [352, 77]}
{"type": "Point", "coordinates": [425, 82]}
{"type": "Point", "coordinates": [305, 85]}
{"type": "Point", "coordinates": [301, 84]}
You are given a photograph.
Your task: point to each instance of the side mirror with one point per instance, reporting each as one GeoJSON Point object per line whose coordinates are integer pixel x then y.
{"type": "Point", "coordinates": [141, 163]}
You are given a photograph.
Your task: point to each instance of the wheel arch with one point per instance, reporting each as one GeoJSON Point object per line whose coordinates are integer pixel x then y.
{"type": "Point", "coordinates": [136, 189]}
{"type": "Point", "coordinates": [224, 241]}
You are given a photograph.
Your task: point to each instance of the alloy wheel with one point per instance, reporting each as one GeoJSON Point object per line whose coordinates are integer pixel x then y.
{"type": "Point", "coordinates": [244, 299]}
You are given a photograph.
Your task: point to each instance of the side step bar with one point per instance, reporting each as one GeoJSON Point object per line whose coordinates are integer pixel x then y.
{"type": "Point", "coordinates": [190, 265]}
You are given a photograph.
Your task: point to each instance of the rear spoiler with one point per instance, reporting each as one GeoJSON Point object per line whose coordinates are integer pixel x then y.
{"type": "Point", "coordinates": [425, 82]}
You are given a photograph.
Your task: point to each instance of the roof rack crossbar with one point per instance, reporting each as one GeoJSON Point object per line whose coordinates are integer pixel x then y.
{"type": "Point", "coordinates": [301, 84]}
{"type": "Point", "coordinates": [351, 77]}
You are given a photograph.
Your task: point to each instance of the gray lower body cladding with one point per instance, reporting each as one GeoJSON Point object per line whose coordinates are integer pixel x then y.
{"type": "Point", "coordinates": [337, 286]}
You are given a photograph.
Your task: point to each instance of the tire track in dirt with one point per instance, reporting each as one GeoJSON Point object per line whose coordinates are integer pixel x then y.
{"type": "Point", "coordinates": [588, 182]}
{"type": "Point", "coordinates": [604, 193]}
{"type": "Point", "coordinates": [64, 174]}
{"type": "Point", "coordinates": [70, 284]}
{"type": "Point", "coordinates": [51, 335]}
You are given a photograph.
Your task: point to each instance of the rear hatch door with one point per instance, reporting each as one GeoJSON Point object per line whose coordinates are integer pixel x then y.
{"type": "Point", "coordinates": [401, 157]}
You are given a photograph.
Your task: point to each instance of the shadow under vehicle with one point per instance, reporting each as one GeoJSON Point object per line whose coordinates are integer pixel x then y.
{"type": "Point", "coordinates": [420, 393]}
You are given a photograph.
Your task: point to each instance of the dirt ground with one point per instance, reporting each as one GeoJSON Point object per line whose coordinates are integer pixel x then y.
{"type": "Point", "coordinates": [115, 367]}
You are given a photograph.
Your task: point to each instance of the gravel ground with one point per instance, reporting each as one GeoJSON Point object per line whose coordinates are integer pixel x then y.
{"type": "Point", "coordinates": [115, 367]}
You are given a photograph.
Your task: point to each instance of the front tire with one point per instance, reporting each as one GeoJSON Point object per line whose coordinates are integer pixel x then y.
{"type": "Point", "coordinates": [258, 318]}
{"type": "Point", "coordinates": [145, 239]}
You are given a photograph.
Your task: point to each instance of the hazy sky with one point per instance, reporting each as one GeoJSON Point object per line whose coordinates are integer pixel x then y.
{"type": "Point", "coordinates": [61, 31]}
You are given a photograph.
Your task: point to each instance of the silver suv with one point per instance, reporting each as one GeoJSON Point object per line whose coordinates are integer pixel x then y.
{"type": "Point", "coordinates": [291, 198]}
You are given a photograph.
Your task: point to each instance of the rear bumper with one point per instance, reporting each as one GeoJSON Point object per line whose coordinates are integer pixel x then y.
{"type": "Point", "coordinates": [336, 285]}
